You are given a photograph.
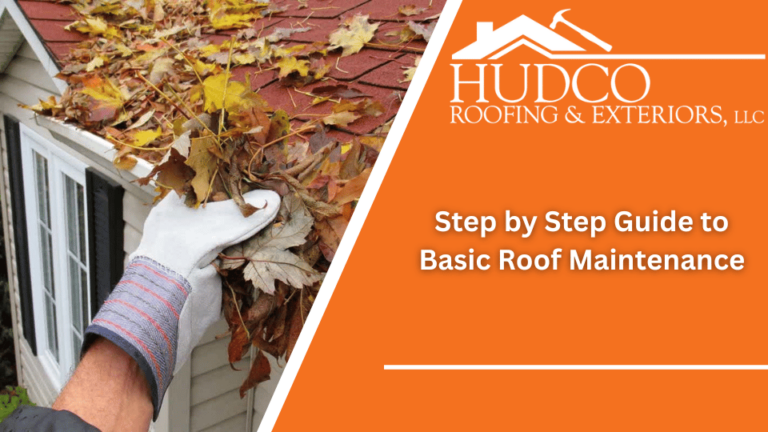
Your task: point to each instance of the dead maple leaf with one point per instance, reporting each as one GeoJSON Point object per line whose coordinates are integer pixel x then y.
{"type": "Point", "coordinates": [204, 163]}
{"type": "Point", "coordinates": [142, 138]}
{"type": "Point", "coordinates": [284, 33]}
{"type": "Point", "coordinates": [410, 10]}
{"type": "Point", "coordinates": [410, 71]}
{"type": "Point", "coordinates": [353, 34]}
{"type": "Point", "coordinates": [213, 88]}
{"type": "Point", "coordinates": [342, 119]}
{"type": "Point", "coordinates": [423, 30]}
{"type": "Point", "coordinates": [266, 256]}
{"type": "Point", "coordinates": [106, 101]}
{"type": "Point", "coordinates": [229, 14]}
{"type": "Point", "coordinates": [260, 370]}
{"type": "Point", "coordinates": [289, 65]}
{"type": "Point", "coordinates": [160, 68]}
{"type": "Point", "coordinates": [238, 344]}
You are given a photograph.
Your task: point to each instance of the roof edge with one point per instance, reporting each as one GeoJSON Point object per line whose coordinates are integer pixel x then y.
{"type": "Point", "coordinates": [30, 35]}
{"type": "Point", "coordinates": [92, 142]}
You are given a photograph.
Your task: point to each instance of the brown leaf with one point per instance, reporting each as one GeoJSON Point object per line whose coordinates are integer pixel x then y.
{"type": "Point", "coordinates": [233, 179]}
{"type": "Point", "coordinates": [341, 91]}
{"type": "Point", "coordinates": [410, 10]}
{"type": "Point", "coordinates": [352, 165]}
{"type": "Point", "coordinates": [238, 345]}
{"type": "Point", "coordinates": [296, 324]}
{"type": "Point", "coordinates": [342, 119]}
{"type": "Point", "coordinates": [353, 189]}
{"type": "Point", "coordinates": [425, 31]}
{"type": "Point", "coordinates": [204, 163]}
{"type": "Point", "coordinates": [260, 370]}
{"type": "Point", "coordinates": [174, 173]}
{"type": "Point", "coordinates": [319, 140]}
{"type": "Point", "coordinates": [260, 309]}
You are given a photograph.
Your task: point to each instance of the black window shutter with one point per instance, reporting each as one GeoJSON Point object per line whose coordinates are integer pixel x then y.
{"type": "Point", "coordinates": [105, 232]}
{"type": "Point", "coordinates": [16, 177]}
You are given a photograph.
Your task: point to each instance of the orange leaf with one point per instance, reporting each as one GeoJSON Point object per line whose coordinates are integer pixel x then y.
{"type": "Point", "coordinates": [237, 345]}
{"type": "Point", "coordinates": [259, 373]}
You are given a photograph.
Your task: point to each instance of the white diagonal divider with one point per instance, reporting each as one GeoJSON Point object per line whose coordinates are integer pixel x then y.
{"type": "Point", "coordinates": [412, 96]}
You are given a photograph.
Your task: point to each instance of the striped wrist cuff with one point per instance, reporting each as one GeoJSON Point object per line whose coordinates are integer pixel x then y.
{"type": "Point", "coordinates": [141, 316]}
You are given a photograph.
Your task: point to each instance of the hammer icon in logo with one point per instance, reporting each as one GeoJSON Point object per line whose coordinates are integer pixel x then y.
{"type": "Point", "coordinates": [587, 35]}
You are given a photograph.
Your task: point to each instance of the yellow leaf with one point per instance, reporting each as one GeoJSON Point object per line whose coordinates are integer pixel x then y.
{"type": "Point", "coordinates": [228, 14]}
{"type": "Point", "coordinates": [107, 100]}
{"type": "Point", "coordinates": [142, 138]}
{"type": "Point", "coordinates": [126, 162]}
{"type": "Point", "coordinates": [49, 107]}
{"type": "Point", "coordinates": [209, 49]}
{"type": "Point", "coordinates": [340, 119]}
{"type": "Point", "coordinates": [97, 62]}
{"type": "Point", "coordinates": [94, 26]}
{"type": "Point", "coordinates": [244, 59]}
{"type": "Point", "coordinates": [288, 65]}
{"type": "Point", "coordinates": [354, 33]}
{"type": "Point", "coordinates": [160, 68]}
{"type": "Point", "coordinates": [318, 100]}
{"type": "Point", "coordinates": [204, 163]}
{"type": "Point", "coordinates": [375, 142]}
{"type": "Point", "coordinates": [213, 88]}
{"type": "Point", "coordinates": [409, 72]}
{"type": "Point", "coordinates": [124, 50]}
{"type": "Point", "coordinates": [322, 71]}
{"type": "Point", "coordinates": [203, 69]}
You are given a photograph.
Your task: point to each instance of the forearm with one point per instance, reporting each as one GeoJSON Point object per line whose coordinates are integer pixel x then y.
{"type": "Point", "coordinates": [108, 390]}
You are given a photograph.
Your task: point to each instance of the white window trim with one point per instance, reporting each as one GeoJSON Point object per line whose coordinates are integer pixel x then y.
{"type": "Point", "coordinates": [59, 163]}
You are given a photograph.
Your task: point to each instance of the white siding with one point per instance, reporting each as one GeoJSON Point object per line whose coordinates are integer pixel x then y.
{"type": "Point", "coordinates": [12, 92]}
{"type": "Point", "coordinates": [25, 81]}
{"type": "Point", "coordinates": [215, 387]}
{"type": "Point", "coordinates": [264, 392]}
{"type": "Point", "coordinates": [204, 395]}
{"type": "Point", "coordinates": [10, 39]}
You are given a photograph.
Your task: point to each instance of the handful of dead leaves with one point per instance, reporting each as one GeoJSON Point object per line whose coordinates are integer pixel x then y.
{"type": "Point", "coordinates": [148, 82]}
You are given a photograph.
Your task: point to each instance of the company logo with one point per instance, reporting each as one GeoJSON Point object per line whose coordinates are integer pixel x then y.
{"type": "Point", "coordinates": [522, 31]}
{"type": "Point", "coordinates": [493, 47]}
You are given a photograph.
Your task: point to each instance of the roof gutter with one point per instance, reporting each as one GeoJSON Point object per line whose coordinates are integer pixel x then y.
{"type": "Point", "coordinates": [92, 142]}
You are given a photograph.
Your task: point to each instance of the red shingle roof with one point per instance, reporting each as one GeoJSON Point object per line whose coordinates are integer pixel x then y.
{"type": "Point", "coordinates": [377, 71]}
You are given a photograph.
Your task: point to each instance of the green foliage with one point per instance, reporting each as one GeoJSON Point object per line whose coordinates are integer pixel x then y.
{"type": "Point", "coordinates": [11, 398]}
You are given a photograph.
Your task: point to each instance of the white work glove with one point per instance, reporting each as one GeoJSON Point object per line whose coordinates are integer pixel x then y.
{"type": "Point", "coordinates": [170, 292]}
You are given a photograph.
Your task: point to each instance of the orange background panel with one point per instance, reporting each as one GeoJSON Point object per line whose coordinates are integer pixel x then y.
{"type": "Point", "coordinates": [387, 311]}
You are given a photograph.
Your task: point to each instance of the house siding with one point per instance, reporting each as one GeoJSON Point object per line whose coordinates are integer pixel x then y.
{"type": "Point", "coordinates": [204, 396]}
{"type": "Point", "coordinates": [14, 89]}
{"type": "Point", "coordinates": [24, 82]}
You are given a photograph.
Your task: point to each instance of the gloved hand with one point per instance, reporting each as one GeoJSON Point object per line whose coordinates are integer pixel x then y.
{"type": "Point", "coordinates": [170, 292]}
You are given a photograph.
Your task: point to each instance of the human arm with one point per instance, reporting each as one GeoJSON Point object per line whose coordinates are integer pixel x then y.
{"type": "Point", "coordinates": [169, 295]}
{"type": "Point", "coordinates": [108, 390]}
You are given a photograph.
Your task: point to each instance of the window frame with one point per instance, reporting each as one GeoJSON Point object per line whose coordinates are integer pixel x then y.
{"type": "Point", "coordinates": [60, 164]}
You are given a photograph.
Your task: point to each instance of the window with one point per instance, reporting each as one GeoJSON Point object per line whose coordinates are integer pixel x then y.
{"type": "Point", "coordinates": [54, 184]}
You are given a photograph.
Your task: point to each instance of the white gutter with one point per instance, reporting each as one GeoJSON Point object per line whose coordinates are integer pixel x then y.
{"type": "Point", "coordinates": [94, 143]}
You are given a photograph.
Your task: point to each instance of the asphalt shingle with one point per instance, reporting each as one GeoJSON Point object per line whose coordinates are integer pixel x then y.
{"type": "Point", "coordinates": [377, 70]}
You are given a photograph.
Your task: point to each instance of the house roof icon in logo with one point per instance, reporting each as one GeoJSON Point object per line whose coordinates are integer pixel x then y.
{"type": "Point", "coordinates": [493, 44]}
{"type": "Point", "coordinates": [523, 30]}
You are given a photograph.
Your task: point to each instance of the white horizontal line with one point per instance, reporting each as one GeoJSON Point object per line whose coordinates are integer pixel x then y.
{"type": "Point", "coordinates": [658, 56]}
{"type": "Point", "coordinates": [572, 367]}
